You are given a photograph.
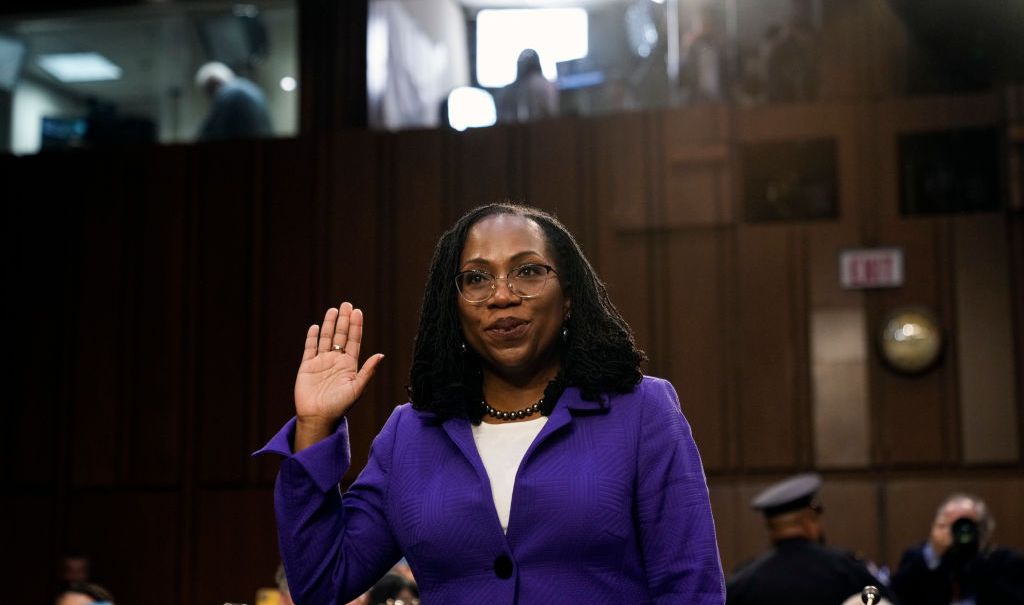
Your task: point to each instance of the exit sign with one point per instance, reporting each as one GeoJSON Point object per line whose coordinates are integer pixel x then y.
{"type": "Point", "coordinates": [871, 268]}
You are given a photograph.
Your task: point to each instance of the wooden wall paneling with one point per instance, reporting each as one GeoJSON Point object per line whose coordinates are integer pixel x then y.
{"type": "Point", "coordinates": [794, 122]}
{"type": "Point", "coordinates": [1005, 498]}
{"type": "Point", "coordinates": [910, 508]}
{"type": "Point", "coordinates": [30, 539]}
{"type": "Point", "coordinates": [621, 253]}
{"type": "Point", "coordinates": [852, 516]}
{"type": "Point", "coordinates": [98, 308]}
{"type": "Point", "coordinates": [235, 545]}
{"type": "Point", "coordinates": [230, 181]}
{"type": "Point", "coordinates": [751, 537]}
{"type": "Point", "coordinates": [724, 509]}
{"type": "Point", "coordinates": [697, 154]}
{"type": "Point", "coordinates": [771, 332]}
{"type": "Point", "coordinates": [1015, 233]}
{"type": "Point", "coordinates": [554, 170]}
{"type": "Point", "coordinates": [914, 416]}
{"type": "Point", "coordinates": [984, 340]}
{"type": "Point", "coordinates": [483, 166]}
{"type": "Point", "coordinates": [127, 536]}
{"type": "Point", "coordinates": [838, 353]}
{"type": "Point", "coordinates": [354, 249]}
{"type": "Point", "coordinates": [586, 221]}
{"type": "Point", "coordinates": [40, 247]}
{"type": "Point", "coordinates": [622, 171]}
{"type": "Point", "coordinates": [416, 220]}
{"type": "Point", "coordinates": [286, 263]}
{"type": "Point", "coordinates": [154, 393]}
{"type": "Point", "coordinates": [696, 346]}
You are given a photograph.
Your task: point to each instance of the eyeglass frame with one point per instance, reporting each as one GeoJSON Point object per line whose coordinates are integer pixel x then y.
{"type": "Point", "coordinates": [508, 282]}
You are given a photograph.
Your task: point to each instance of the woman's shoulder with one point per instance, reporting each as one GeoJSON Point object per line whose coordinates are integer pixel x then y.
{"type": "Point", "coordinates": [651, 391]}
{"type": "Point", "coordinates": [405, 418]}
{"type": "Point", "coordinates": [653, 387]}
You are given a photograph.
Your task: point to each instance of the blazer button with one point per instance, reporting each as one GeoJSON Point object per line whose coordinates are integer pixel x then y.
{"type": "Point", "coordinates": [503, 567]}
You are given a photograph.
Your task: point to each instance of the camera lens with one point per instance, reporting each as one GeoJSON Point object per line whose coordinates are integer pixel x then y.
{"type": "Point", "coordinates": [965, 532]}
{"type": "Point", "coordinates": [965, 543]}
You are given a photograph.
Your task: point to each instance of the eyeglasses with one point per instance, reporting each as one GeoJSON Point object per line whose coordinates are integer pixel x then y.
{"type": "Point", "coordinates": [525, 281]}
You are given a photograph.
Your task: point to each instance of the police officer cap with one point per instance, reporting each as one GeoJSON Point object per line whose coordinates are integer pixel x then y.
{"type": "Point", "coordinates": [790, 494]}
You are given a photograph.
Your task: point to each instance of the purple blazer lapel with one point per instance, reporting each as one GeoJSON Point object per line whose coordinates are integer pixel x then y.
{"type": "Point", "coordinates": [461, 434]}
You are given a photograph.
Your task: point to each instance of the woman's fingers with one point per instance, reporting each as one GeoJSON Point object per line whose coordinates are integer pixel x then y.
{"type": "Point", "coordinates": [340, 338]}
{"type": "Point", "coordinates": [342, 331]}
{"type": "Point", "coordinates": [365, 373]}
{"type": "Point", "coordinates": [309, 349]}
{"type": "Point", "coordinates": [327, 330]}
{"type": "Point", "coordinates": [355, 334]}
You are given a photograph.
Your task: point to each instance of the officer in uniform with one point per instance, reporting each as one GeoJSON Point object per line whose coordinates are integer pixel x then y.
{"type": "Point", "coordinates": [799, 568]}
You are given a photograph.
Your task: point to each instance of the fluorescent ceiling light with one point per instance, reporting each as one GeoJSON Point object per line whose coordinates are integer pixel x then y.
{"type": "Point", "coordinates": [557, 34]}
{"type": "Point", "coordinates": [80, 67]}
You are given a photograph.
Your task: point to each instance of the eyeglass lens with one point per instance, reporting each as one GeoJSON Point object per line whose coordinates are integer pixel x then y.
{"type": "Point", "coordinates": [524, 281]}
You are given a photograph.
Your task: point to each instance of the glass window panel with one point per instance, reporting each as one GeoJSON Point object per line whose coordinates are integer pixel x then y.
{"type": "Point", "coordinates": [147, 92]}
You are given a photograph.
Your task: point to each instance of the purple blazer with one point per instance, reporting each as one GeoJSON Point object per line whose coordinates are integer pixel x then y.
{"type": "Point", "coordinates": [610, 505]}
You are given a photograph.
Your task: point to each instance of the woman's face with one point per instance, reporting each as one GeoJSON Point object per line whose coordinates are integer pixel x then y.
{"type": "Point", "coordinates": [515, 337]}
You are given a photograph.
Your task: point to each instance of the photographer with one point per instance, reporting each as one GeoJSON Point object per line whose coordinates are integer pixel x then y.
{"type": "Point", "coordinates": [958, 564]}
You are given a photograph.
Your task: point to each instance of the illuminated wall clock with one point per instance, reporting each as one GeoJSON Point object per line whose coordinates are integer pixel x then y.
{"type": "Point", "coordinates": [910, 340]}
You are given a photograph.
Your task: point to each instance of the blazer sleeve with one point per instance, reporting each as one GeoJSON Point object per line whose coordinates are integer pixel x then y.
{"type": "Point", "coordinates": [334, 546]}
{"type": "Point", "coordinates": [677, 531]}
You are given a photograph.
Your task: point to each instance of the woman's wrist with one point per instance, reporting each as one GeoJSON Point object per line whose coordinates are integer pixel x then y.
{"type": "Point", "coordinates": [309, 431]}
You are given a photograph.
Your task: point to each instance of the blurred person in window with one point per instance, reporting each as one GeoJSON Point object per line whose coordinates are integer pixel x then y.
{"type": "Point", "coordinates": [531, 96]}
{"type": "Point", "coordinates": [799, 568]}
{"type": "Point", "coordinates": [238, 108]}
{"type": "Point", "coordinates": [958, 563]}
{"type": "Point", "coordinates": [703, 66]}
{"type": "Point", "coordinates": [84, 593]}
{"type": "Point", "coordinates": [791, 61]}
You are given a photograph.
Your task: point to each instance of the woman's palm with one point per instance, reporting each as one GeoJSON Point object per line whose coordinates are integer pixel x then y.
{"type": "Point", "coordinates": [329, 380]}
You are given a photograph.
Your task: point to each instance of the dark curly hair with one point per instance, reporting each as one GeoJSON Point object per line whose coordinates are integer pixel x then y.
{"type": "Point", "coordinates": [599, 356]}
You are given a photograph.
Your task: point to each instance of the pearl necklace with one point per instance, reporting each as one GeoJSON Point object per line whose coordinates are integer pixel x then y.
{"type": "Point", "coordinates": [516, 415]}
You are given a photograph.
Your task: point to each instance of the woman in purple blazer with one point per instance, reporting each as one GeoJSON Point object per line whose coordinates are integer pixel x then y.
{"type": "Point", "coordinates": [534, 463]}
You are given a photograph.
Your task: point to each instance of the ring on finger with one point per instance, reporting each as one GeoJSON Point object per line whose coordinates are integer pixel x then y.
{"type": "Point", "coordinates": [338, 348]}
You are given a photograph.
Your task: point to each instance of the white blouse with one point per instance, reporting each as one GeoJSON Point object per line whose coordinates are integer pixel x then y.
{"type": "Point", "coordinates": [502, 447]}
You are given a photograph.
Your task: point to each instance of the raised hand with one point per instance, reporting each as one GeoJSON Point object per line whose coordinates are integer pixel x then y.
{"type": "Point", "coordinates": [330, 380]}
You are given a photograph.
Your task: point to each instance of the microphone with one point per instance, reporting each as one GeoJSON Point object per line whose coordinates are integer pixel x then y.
{"type": "Point", "coordinates": [870, 595]}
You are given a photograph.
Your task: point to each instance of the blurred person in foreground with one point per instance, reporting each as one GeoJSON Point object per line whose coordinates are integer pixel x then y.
{"type": "Point", "coordinates": [74, 569]}
{"type": "Point", "coordinates": [393, 589]}
{"type": "Point", "coordinates": [958, 563]}
{"type": "Point", "coordinates": [282, 586]}
{"type": "Point", "coordinates": [534, 455]}
{"type": "Point", "coordinates": [238, 108]}
{"type": "Point", "coordinates": [799, 568]}
{"type": "Point", "coordinates": [84, 593]}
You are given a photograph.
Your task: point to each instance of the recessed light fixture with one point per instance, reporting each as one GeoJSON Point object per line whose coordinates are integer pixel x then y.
{"type": "Point", "coordinates": [79, 67]}
{"type": "Point", "coordinates": [470, 107]}
{"type": "Point", "coordinates": [288, 84]}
